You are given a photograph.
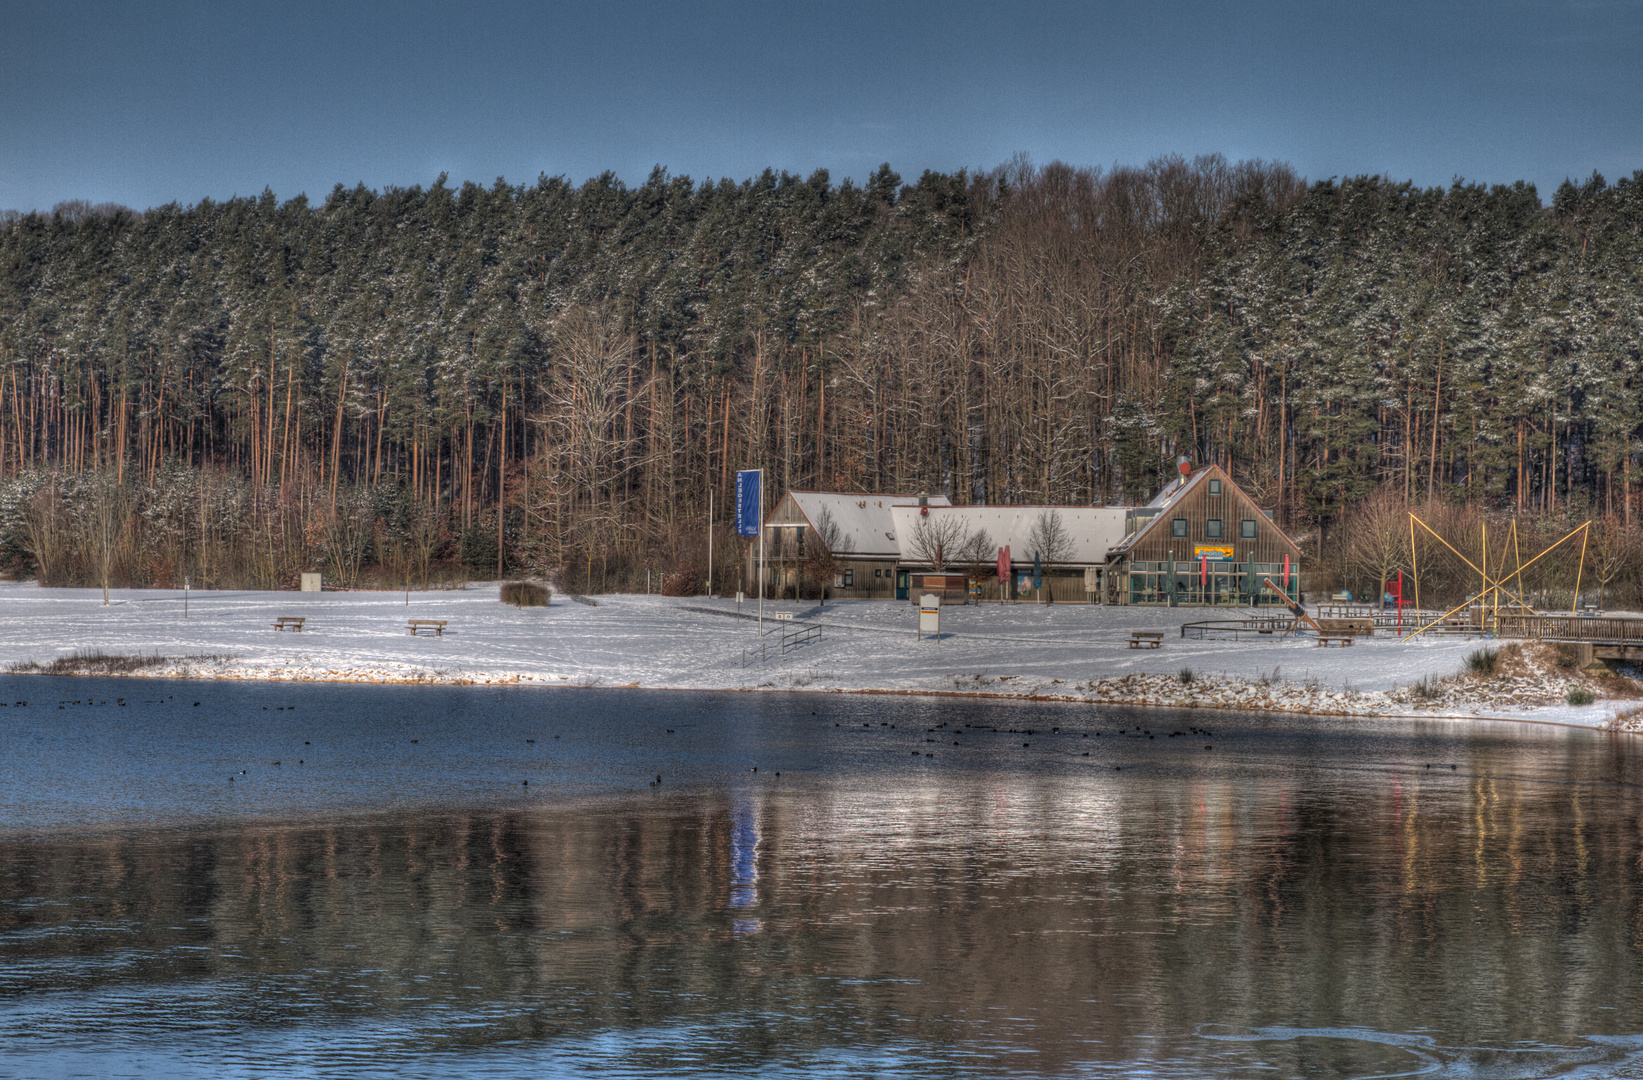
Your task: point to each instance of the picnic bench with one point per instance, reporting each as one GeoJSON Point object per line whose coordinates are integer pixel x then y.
{"type": "Point", "coordinates": [1333, 641]}
{"type": "Point", "coordinates": [290, 622]}
{"type": "Point", "coordinates": [1146, 639]}
{"type": "Point", "coordinates": [434, 626]}
{"type": "Point", "coordinates": [1342, 627]}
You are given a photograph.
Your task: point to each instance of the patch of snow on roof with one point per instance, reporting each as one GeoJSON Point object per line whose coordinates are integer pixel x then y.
{"type": "Point", "coordinates": [1092, 530]}
{"type": "Point", "coordinates": [862, 519]}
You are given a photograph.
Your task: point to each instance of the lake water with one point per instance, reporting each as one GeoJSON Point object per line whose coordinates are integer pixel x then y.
{"type": "Point", "coordinates": [466, 882]}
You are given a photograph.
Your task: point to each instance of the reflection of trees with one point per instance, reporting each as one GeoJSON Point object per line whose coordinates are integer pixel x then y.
{"type": "Point", "coordinates": [1114, 918]}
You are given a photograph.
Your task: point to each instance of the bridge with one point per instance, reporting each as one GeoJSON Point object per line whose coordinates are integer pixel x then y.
{"type": "Point", "coordinates": [1611, 637]}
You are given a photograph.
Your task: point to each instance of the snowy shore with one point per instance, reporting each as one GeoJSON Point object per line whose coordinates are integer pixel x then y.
{"type": "Point", "coordinates": [1070, 652]}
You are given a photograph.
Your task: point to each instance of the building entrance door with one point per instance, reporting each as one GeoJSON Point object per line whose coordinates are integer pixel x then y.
{"type": "Point", "coordinates": [901, 583]}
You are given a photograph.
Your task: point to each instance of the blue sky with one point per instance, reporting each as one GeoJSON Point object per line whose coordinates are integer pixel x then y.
{"type": "Point", "coordinates": [147, 103]}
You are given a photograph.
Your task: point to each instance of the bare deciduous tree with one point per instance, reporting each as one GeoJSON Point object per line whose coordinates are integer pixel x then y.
{"type": "Point", "coordinates": [1611, 551]}
{"type": "Point", "coordinates": [976, 554]}
{"type": "Point", "coordinates": [824, 544]}
{"type": "Point", "coordinates": [1050, 543]}
{"type": "Point", "coordinates": [105, 509]}
{"type": "Point", "coordinates": [936, 539]}
{"type": "Point", "coordinates": [1377, 538]}
{"type": "Point", "coordinates": [43, 527]}
{"type": "Point", "coordinates": [1049, 540]}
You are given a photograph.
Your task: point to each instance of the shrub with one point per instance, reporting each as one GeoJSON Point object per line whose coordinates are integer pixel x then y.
{"type": "Point", "coordinates": [1483, 661]}
{"type": "Point", "coordinates": [1185, 675]}
{"type": "Point", "coordinates": [1579, 695]}
{"type": "Point", "coordinates": [681, 583]}
{"type": "Point", "coordinates": [525, 593]}
{"type": "Point", "coordinates": [1427, 689]}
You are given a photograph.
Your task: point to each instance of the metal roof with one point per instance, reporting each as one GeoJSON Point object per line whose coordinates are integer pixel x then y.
{"type": "Point", "coordinates": [862, 519]}
{"type": "Point", "coordinates": [1091, 530]}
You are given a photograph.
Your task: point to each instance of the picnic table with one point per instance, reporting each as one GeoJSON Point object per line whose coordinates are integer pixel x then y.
{"type": "Point", "coordinates": [290, 622]}
{"type": "Point", "coordinates": [1146, 639]}
{"type": "Point", "coordinates": [434, 626]}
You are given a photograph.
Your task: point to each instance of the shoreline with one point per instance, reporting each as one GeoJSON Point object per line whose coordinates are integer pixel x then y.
{"type": "Point", "coordinates": [1066, 653]}
{"type": "Point", "coordinates": [528, 681]}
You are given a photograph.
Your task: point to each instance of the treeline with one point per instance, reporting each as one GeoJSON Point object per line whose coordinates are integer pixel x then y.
{"type": "Point", "coordinates": [569, 376]}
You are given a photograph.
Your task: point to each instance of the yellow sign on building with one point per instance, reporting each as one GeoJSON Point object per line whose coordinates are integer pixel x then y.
{"type": "Point", "coordinates": [1213, 554]}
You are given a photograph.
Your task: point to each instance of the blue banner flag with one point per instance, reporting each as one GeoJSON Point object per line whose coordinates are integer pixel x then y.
{"type": "Point", "coordinates": [748, 501]}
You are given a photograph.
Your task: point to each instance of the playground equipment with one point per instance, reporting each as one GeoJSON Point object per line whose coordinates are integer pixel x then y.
{"type": "Point", "coordinates": [1492, 588]}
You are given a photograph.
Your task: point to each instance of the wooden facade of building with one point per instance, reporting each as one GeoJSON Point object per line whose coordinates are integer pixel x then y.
{"type": "Point", "coordinates": [1203, 541]}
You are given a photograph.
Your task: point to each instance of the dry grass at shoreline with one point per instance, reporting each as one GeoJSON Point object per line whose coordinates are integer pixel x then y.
{"type": "Point", "coordinates": [98, 662]}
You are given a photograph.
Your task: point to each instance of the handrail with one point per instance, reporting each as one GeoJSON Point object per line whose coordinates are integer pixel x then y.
{"type": "Point", "coordinates": [1619, 629]}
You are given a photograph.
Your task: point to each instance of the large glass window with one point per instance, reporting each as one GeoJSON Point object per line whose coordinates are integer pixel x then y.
{"type": "Point", "coordinates": [1212, 528]}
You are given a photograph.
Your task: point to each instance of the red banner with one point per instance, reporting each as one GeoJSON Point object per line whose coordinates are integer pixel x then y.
{"type": "Point", "coordinates": [1004, 563]}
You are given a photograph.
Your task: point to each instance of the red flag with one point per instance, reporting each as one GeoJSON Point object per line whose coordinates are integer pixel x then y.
{"type": "Point", "coordinates": [1286, 571]}
{"type": "Point", "coordinates": [1004, 563]}
{"type": "Point", "coordinates": [1203, 571]}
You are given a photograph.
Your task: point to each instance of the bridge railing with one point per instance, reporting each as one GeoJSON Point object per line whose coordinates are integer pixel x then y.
{"type": "Point", "coordinates": [1596, 628]}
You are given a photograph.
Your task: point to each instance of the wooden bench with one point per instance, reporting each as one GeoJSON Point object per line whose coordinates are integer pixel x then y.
{"type": "Point", "coordinates": [290, 622]}
{"type": "Point", "coordinates": [437, 626]}
{"type": "Point", "coordinates": [1146, 639]}
{"type": "Point", "coordinates": [1334, 641]}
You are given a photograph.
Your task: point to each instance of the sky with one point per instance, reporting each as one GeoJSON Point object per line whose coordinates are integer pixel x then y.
{"type": "Point", "coordinates": [146, 103]}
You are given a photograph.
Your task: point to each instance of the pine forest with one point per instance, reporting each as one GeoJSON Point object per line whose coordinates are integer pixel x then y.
{"type": "Point", "coordinates": [413, 384]}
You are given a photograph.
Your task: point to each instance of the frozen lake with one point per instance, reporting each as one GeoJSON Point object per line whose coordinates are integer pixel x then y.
{"type": "Point", "coordinates": [336, 880]}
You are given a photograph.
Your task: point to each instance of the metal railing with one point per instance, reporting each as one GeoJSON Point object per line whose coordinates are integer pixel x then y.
{"type": "Point", "coordinates": [793, 635]}
{"type": "Point", "coordinates": [1233, 629]}
{"type": "Point", "coordinates": [1611, 629]}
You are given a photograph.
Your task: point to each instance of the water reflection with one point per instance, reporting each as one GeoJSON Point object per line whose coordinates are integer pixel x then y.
{"type": "Point", "coordinates": [1302, 904]}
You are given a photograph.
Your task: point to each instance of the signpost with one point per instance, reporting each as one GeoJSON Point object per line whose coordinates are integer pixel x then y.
{"type": "Point", "coordinates": [750, 521]}
{"type": "Point", "coordinates": [929, 615]}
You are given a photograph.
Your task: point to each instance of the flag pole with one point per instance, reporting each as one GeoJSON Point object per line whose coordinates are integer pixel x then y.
{"type": "Point", "coordinates": [761, 554]}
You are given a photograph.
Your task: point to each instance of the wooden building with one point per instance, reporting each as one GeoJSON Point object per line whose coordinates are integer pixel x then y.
{"type": "Point", "coordinates": [1202, 541]}
{"type": "Point", "coordinates": [868, 558]}
{"type": "Point", "coordinates": [1089, 532]}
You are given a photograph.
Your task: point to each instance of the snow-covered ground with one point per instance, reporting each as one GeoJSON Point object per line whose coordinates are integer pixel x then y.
{"type": "Point", "coordinates": [1074, 651]}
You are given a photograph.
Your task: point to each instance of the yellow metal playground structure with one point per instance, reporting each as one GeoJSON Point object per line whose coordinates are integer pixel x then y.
{"type": "Point", "coordinates": [1493, 588]}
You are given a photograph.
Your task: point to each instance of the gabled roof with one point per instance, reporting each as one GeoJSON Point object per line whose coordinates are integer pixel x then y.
{"type": "Point", "coordinates": [864, 520]}
{"type": "Point", "coordinates": [1176, 490]}
{"type": "Point", "coordinates": [1091, 530]}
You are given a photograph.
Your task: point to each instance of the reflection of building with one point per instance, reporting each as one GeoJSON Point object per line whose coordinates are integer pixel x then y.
{"type": "Point", "coordinates": [1202, 541]}
{"type": "Point", "coordinates": [744, 863]}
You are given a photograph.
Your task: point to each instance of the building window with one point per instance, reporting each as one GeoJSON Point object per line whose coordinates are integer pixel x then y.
{"type": "Point", "coordinates": [849, 578]}
{"type": "Point", "coordinates": [878, 573]}
{"type": "Point", "coordinates": [1247, 530]}
{"type": "Point", "coordinates": [1215, 487]}
{"type": "Point", "coordinates": [1178, 527]}
{"type": "Point", "coordinates": [1212, 528]}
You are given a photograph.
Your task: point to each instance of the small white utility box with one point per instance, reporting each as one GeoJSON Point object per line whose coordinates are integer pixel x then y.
{"type": "Point", "coordinates": [929, 615]}
{"type": "Point", "coordinates": [310, 583]}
